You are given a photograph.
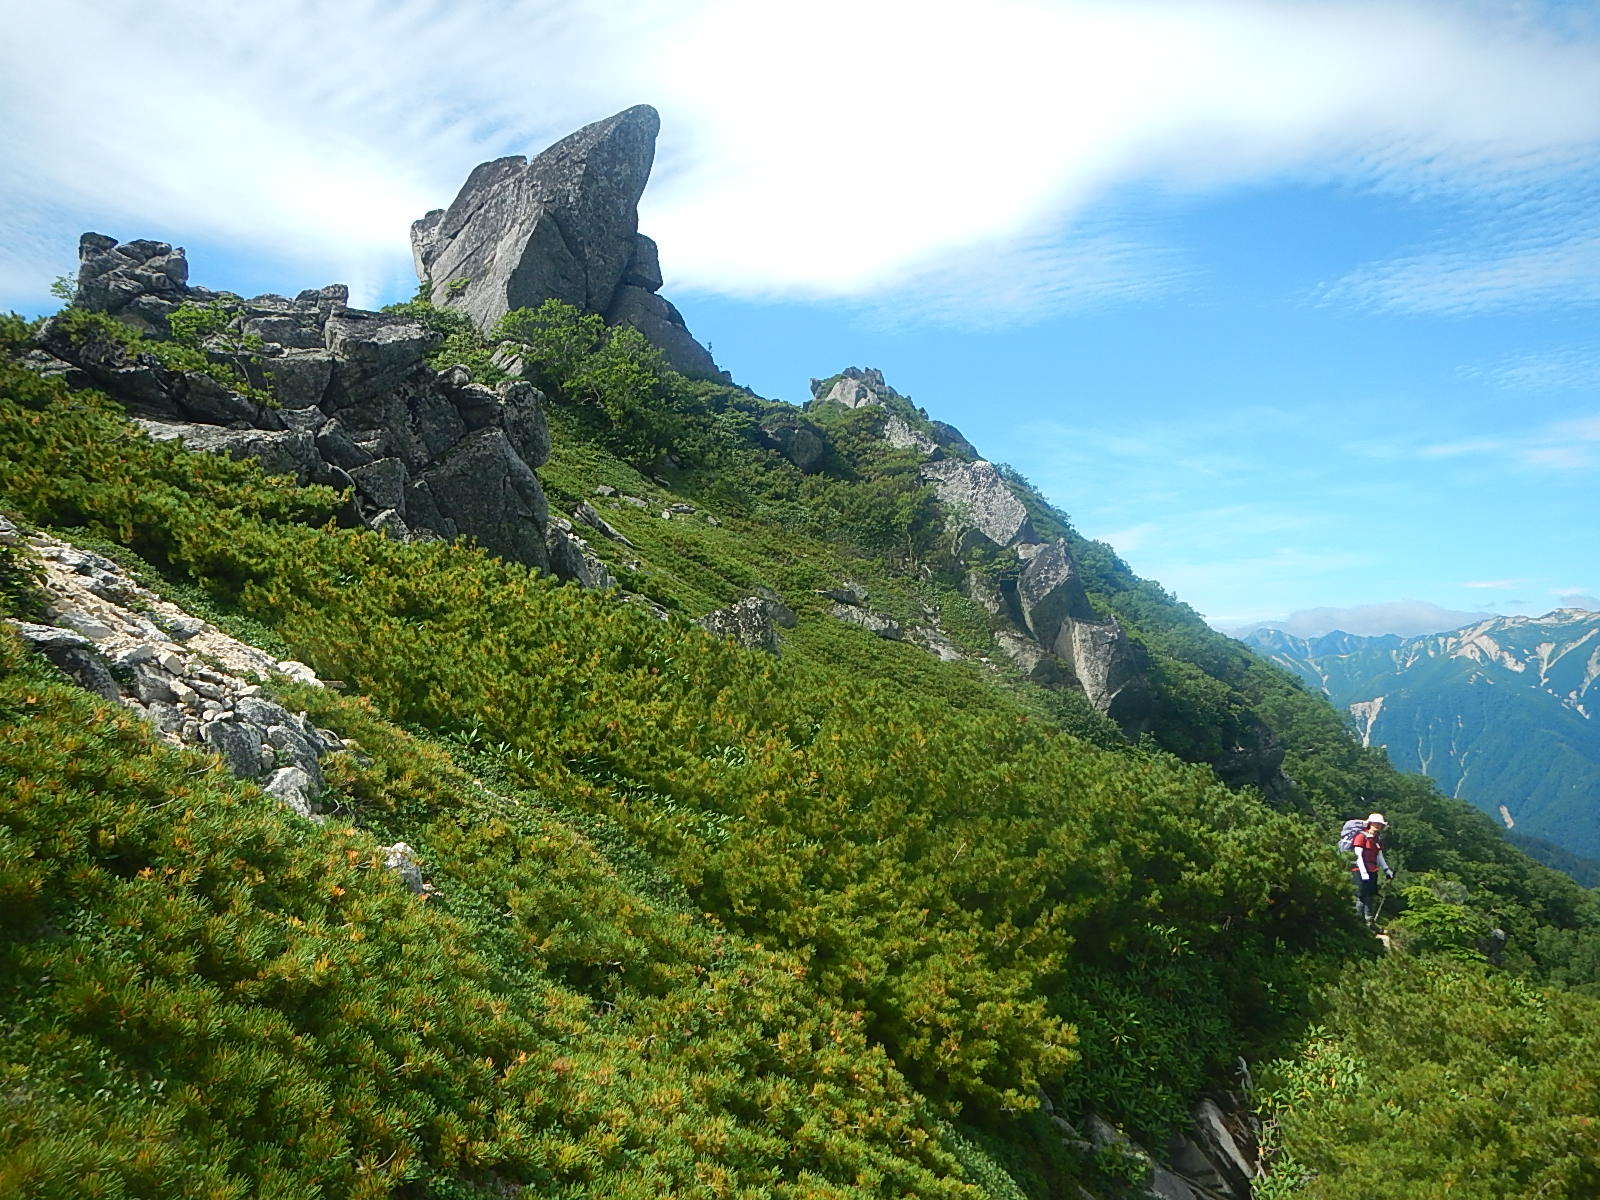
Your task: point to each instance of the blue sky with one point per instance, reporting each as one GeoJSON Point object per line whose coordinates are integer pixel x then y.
{"type": "Point", "coordinates": [1293, 303]}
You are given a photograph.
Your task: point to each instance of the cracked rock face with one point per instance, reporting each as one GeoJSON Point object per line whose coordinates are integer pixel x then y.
{"type": "Point", "coordinates": [980, 500]}
{"type": "Point", "coordinates": [196, 685]}
{"type": "Point", "coordinates": [563, 225]}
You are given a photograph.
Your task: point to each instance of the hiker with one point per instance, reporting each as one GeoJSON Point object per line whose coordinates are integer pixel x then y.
{"type": "Point", "coordinates": [1368, 847]}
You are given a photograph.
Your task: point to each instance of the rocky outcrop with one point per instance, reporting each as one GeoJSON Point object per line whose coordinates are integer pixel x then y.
{"type": "Point", "coordinates": [1109, 669]}
{"type": "Point", "coordinates": [1211, 1158]}
{"type": "Point", "coordinates": [793, 436]}
{"type": "Point", "coordinates": [192, 682]}
{"type": "Point", "coordinates": [141, 281]}
{"type": "Point", "coordinates": [752, 622]}
{"type": "Point", "coordinates": [662, 325]}
{"type": "Point", "coordinates": [979, 500]}
{"type": "Point", "coordinates": [854, 387]}
{"type": "Point", "coordinates": [904, 426]}
{"type": "Point", "coordinates": [876, 623]}
{"type": "Point", "coordinates": [950, 439]}
{"type": "Point", "coordinates": [425, 453]}
{"type": "Point", "coordinates": [563, 225]}
{"type": "Point", "coordinates": [903, 435]}
{"type": "Point", "coordinates": [571, 558]}
{"type": "Point", "coordinates": [850, 606]}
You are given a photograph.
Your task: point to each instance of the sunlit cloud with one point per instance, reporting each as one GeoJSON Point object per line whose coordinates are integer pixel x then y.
{"type": "Point", "coordinates": [936, 162]}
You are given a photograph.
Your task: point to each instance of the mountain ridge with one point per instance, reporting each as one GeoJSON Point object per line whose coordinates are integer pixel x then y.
{"type": "Point", "coordinates": [1522, 688]}
{"type": "Point", "coordinates": [789, 803]}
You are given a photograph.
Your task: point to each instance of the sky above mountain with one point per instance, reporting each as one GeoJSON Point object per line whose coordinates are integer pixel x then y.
{"type": "Point", "coordinates": [1293, 303]}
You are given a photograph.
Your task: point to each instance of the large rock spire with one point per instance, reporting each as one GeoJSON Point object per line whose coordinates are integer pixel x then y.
{"type": "Point", "coordinates": [565, 226]}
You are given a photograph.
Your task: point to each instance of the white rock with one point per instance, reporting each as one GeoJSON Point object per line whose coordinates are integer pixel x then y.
{"type": "Point", "coordinates": [91, 627]}
{"type": "Point", "coordinates": [132, 656]}
{"type": "Point", "coordinates": [298, 672]}
{"type": "Point", "coordinates": [293, 787]}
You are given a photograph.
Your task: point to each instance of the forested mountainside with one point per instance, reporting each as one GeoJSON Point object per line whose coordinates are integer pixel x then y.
{"type": "Point", "coordinates": [451, 752]}
{"type": "Point", "coordinates": [1500, 713]}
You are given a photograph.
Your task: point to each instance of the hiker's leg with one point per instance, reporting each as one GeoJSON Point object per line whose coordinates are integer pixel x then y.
{"type": "Point", "coordinates": [1369, 899]}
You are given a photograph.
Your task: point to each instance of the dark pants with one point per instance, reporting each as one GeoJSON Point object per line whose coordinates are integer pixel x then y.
{"type": "Point", "coordinates": [1366, 895]}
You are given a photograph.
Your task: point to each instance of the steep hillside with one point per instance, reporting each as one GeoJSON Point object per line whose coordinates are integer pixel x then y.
{"type": "Point", "coordinates": [1500, 713]}
{"type": "Point", "coordinates": [451, 753]}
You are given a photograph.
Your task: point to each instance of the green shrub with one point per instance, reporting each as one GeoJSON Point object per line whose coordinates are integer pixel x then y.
{"type": "Point", "coordinates": [184, 352]}
{"type": "Point", "coordinates": [937, 870]}
{"type": "Point", "coordinates": [1438, 1079]}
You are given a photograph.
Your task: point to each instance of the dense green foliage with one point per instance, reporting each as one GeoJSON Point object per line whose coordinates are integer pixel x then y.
{"type": "Point", "coordinates": [202, 998]}
{"type": "Point", "coordinates": [201, 341]}
{"type": "Point", "coordinates": [708, 923]}
{"type": "Point", "coordinates": [1439, 1081]}
{"type": "Point", "coordinates": [936, 870]}
{"type": "Point", "coordinates": [1554, 924]}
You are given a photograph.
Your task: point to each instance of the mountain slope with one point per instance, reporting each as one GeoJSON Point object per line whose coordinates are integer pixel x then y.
{"type": "Point", "coordinates": [1501, 713]}
{"type": "Point", "coordinates": [808, 810]}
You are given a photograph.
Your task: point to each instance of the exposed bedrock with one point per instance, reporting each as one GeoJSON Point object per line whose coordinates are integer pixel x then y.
{"type": "Point", "coordinates": [425, 453]}
{"type": "Point", "coordinates": [563, 225]}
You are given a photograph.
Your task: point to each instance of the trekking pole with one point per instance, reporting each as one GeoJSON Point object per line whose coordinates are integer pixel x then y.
{"type": "Point", "coordinates": [1383, 894]}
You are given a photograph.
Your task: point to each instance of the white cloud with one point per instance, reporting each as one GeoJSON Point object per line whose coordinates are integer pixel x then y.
{"type": "Point", "coordinates": [1498, 585]}
{"type": "Point", "coordinates": [1537, 258]}
{"type": "Point", "coordinates": [1569, 368]}
{"type": "Point", "coordinates": [967, 159]}
{"type": "Point", "coordinates": [1568, 445]}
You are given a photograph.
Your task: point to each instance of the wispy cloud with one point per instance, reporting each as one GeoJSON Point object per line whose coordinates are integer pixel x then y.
{"type": "Point", "coordinates": [1566, 445]}
{"type": "Point", "coordinates": [1498, 585]}
{"type": "Point", "coordinates": [1567, 369]}
{"type": "Point", "coordinates": [869, 150]}
{"type": "Point", "coordinates": [1532, 256]}
{"type": "Point", "coordinates": [1576, 598]}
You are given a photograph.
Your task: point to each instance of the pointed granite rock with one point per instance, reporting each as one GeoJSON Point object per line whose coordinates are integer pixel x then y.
{"type": "Point", "coordinates": [561, 226]}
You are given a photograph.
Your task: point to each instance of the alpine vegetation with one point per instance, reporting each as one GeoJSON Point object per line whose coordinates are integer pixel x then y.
{"type": "Point", "coordinates": [477, 750]}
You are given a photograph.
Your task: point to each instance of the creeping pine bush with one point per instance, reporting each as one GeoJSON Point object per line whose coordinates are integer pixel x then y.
{"type": "Point", "coordinates": [1440, 1080]}
{"type": "Point", "coordinates": [202, 996]}
{"type": "Point", "coordinates": [202, 341]}
{"type": "Point", "coordinates": [940, 873]}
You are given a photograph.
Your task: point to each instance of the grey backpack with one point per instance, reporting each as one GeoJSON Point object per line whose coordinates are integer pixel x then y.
{"type": "Point", "coordinates": [1348, 833]}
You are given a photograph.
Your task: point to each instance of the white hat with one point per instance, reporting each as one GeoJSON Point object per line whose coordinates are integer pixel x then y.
{"type": "Point", "coordinates": [1376, 819]}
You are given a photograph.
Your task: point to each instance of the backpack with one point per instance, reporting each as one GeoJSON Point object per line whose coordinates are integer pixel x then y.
{"type": "Point", "coordinates": [1347, 834]}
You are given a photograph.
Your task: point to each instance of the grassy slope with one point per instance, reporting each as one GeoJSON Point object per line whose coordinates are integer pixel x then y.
{"type": "Point", "coordinates": [959, 886]}
{"type": "Point", "coordinates": [943, 870]}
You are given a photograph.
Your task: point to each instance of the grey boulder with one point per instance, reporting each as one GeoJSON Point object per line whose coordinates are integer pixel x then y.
{"type": "Point", "coordinates": [752, 622]}
{"type": "Point", "coordinates": [854, 387]}
{"type": "Point", "coordinates": [795, 437]}
{"type": "Point", "coordinates": [561, 226]}
{"type": "Point", "coordinates": [979, 499]}
{"type": "Point", "coordinates": [663, 327]}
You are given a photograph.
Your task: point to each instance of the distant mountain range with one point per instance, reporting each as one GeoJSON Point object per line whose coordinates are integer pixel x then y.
{"type": "Point", "coordinates": [1501, 713]}
{"type": "Point", "coordinates": [1408, 618]}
